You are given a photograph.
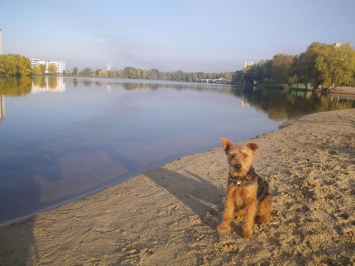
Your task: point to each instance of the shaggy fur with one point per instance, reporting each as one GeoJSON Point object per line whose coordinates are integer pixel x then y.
{"type": "Point", "coordinates": [247, 194]}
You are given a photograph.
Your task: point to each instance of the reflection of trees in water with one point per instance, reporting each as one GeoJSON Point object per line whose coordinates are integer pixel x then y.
{"type": "Point", "coordinates": [277, 103]}
{"type": "Point", "coordinates": [87, 83]}
{"type": "Point", "coordinates": [281, 105]}
{"type": "Point", "coordinates": [14, 86]}
{"type": "Point", "coordinates": [52, 83]}
{"type": "Point", "coordinates": [75, 82]}
{"type": "Point", "coordinates": [2, 107]}
{"type": "Point", "coordinates": [39, 82]}
{"type": "Point", "coordinates": [43, 81]}
{"type": "Point", "coordinates": [155, 85]}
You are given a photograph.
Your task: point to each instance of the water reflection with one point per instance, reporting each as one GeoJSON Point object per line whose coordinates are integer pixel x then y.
{"type": "Point", "coordinates": [2, 107]}
{"type": "Point", "coordinates": [277, 103]}
{"type": "Point", "coordinates": [280, 105]}
{"type": "Point", "coordinates": [47, 84]}
{"type": "Point", "coordinates": [14, 86]}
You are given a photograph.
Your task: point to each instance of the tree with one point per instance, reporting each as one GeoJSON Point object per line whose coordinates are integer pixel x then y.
{"type": "Point", "coordinates": [15, 65]}
{"type": "Point", "coordinates": [75, 71]}
{"type": "Point", "coordinates": [336, 65]}
{"type": "Point", "coordinates": [36, 71]}
{"type": "Point", "coordinates": [119, 73]}
{"type": "Point", "coordinates": [87, 72]}
{"type": "Point", "coordinates": [179, 75]}
{"type": "Point", "coordinates": [326, 64]}
{"type": "Point", "coordinates": [111, 74]}
{"type": "Point", "coordinates": [2, 64]}
{"type": "Point", "coordinates": [137, 73]}
{"type": "Point", "coordinates": [201, 75]}
{"type": "Point", "coordinates": [43, 68]}
{"type": "Point", "coordinates": [103, 74]}
{"type": "Point", "coordinates": [162, 75]}
{"type": "Point", "coordinates": [23, 65]}
{"type": "Point", "coordinates": [153, 74]}
{"type": "Point", "coordinates": [10, 65]}
{"type": "Point", "coordinates": [144, 74]}
{"type": "Point", "coordinates": [306, 70]}
{"type": "Point", "coordinates": [229, 75]}
{"type": "Point", "coordinates": [237, 77]}
{"type": "Point", "coordinates": [345, 64]}
{"type": "Point", "coordinates": [280, 68]}
{"type": "Point", "coordinates": [52, 69]}
{"type": "Point", "coordinates": [128, 72]}
{"type": "Point", "coordinates": [261, 72]}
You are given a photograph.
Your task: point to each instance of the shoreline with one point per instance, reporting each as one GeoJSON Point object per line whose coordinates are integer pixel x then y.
{"type": "Point", "coordinates": [168, 215]}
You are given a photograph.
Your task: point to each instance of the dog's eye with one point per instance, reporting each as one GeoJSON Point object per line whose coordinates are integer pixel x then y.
{"type": "Point", "coordinates": [232, 155]}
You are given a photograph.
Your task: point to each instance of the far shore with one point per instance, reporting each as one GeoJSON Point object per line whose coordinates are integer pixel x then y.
{"type": "Point", "coordinates": [343, 90]}
{"type": "Point", "coordinates": [169, 215]}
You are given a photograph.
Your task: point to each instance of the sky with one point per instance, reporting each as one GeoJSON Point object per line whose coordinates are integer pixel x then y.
{"type": "Point", "coordinates": [169, 35]}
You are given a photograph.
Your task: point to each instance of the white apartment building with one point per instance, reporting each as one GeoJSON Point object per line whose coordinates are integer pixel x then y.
{"type": "Point", "coordinates": [59, 64]}
{"type": "Point", "coordinates": [248, 63]}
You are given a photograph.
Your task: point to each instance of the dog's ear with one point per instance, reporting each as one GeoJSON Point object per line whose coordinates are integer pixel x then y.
{"type": "Point", "coordinates": [227, 144]}
{"type": "Point", "coordinates": [252, 146]}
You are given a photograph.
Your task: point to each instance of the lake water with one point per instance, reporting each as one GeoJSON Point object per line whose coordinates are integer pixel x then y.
{"type": "Point", "coordinates": [62, 138]}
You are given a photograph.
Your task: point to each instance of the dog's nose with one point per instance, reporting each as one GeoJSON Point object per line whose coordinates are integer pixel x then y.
{"type": "Point", "coordinates": [238, 166]}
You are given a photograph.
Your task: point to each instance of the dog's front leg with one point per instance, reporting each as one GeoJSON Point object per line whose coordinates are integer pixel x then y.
{"type": "Point", "coordinates": [229, 208]}
{"type": "Point", "coordinates": [251, 207]}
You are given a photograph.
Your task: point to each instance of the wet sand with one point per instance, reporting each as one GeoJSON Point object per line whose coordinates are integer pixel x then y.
{"type": "Point", "coordinates": [168, 215]}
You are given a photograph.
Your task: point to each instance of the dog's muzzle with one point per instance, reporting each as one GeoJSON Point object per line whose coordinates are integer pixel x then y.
{"type": "Point", "coordinates": [238, 167]}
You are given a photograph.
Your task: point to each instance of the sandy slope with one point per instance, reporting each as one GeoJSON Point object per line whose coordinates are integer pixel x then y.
{"type": "Point", "coordinates": [168, 215]}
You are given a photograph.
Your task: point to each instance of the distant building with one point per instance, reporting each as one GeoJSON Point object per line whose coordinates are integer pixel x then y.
{"type": "Point", "coordinates": [221, 81]}
{"type": "Point", "coordinates": [218, 81]}
{"type": "Point", "coordinates": [337, 44]}
{"type": "Point", "coordinates": [59, 64]}
{"type": "Point", "coordinates": [0, 41]}
{"type": "Point", "coordinates": [248, 63]}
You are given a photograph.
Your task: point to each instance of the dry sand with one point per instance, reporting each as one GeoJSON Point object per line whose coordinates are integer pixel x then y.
{"type": "Point", "coordinates": [168, 216]}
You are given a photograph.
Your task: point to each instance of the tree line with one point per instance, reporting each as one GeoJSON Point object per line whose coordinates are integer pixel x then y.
{"type": "Point", "coordinates": [42, 69]}
{"type": "Point", "coordinates": [151, 74]}
{"type": "Point", "coordinates": [321, 65]}
{"type": "Point", "coordinates": [19, 65]}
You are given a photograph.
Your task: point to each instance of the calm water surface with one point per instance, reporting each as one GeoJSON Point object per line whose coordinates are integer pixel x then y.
{"type": "Point", "coordinates": [61, 138]}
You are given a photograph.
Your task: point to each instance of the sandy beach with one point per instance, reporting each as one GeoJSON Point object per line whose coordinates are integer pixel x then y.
{"type": "Point", "coordinates": [168, 215]}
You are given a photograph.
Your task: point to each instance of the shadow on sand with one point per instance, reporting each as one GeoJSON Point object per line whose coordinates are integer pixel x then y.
{"type": "Point", "coordinates": [198, 194]}
{"type": "Point", "coordinates": [20, 193]}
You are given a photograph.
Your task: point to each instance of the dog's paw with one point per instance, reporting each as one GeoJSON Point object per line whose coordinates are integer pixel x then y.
{"type": "Point", "coordinates": [262, 219]}
{"type": "Point", "coordinates": [223, 228]}
{"type": "Point", "coordinates": [247, 233]}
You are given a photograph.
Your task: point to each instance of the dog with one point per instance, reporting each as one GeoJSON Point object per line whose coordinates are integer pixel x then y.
{"type": "Point", "coordinates": [247, 195]}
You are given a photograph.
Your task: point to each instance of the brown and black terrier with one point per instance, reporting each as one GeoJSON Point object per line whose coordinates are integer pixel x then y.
{"type": "Point", "coordinates": [247, 194]}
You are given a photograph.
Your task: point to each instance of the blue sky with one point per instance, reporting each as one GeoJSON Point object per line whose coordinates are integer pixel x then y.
{"type": "Point", "coordinates": [188, 35]}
